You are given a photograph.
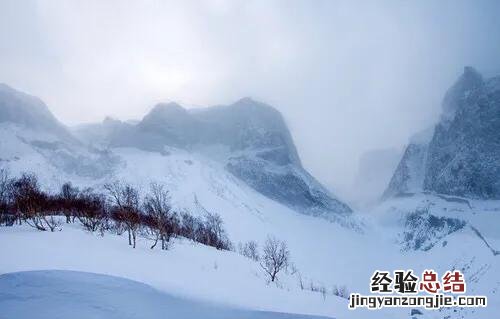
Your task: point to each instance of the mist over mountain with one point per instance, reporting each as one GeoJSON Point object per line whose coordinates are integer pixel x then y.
{"type": "Point", "coordinates": [250, 138]}
{"type": "Point", "coordinates": [461, 154]}
{"type": "Point", "coordinates": [240, 161]}
{"type": "Point", "coordinates": [249, 159]}
{"type": "Point", "coordinates": [375, 170]}
{"type": "Point", "coordinates": [27, 110]}
{"type": "Point", "coordinates": [33, 140]}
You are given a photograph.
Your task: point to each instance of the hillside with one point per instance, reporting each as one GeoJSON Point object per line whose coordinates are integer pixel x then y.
{"type": "Point", "coordinates": [461, 155]}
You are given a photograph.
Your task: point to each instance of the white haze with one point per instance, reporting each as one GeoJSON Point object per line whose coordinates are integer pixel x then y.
{"type": "Point", "coordinates": [348, 76]}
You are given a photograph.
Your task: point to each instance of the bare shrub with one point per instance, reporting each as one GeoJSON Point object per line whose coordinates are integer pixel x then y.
{"type": "Point", "coordinates": [249, 249]}
{"type": "Point", "coordinates": [67, 197]}
{"type": "Point", "coordinates": [208, 231]}
{"type": "Point", "coordinates": [90, 209]}
{"type": "Point", "coordinates": [22, 199]}
{"type": "Point", "coordinates": [161, 221]}
{"type": "Point", "coordinates": [275, 257]}
{"type": "Point", "coordinates": [341, 291]}
{"type": "Point", "coordinates": [301, 281]}
{"type": "Point", "coordinates": [5, 184]}
{"type": "Point", "coordinates": [127, 208]}
{"type": "Point", "coordinates": [29, 201]}
{"type": "Point", "coordinates": [322, 291]}
{"type": "Point", "coordinates": [7, 216]}
{"type": "Point", "coordinates": [213, 233]}
{"type": "Point", "coordinates": [51, 221]}
{"type": "Point", "coordinates": [189, 226]}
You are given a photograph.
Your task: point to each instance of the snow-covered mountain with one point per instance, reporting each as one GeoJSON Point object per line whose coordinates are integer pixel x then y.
{"type": "Point", "coordinates": [32, 139]}
{"type": "Point", "coordinates": [29, 111]}
{"type": "Point", "coordinates": [250, 139]}
{"type": "Point", "coordinates": [197, 155]}
{"type": "Point", "coordinates": [461, 154]}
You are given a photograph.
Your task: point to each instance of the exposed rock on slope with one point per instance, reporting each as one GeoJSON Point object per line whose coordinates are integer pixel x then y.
{"type": "Point", "coordinates": [249, 138]}
{"type": "Point", "coordinates": [463, 156]}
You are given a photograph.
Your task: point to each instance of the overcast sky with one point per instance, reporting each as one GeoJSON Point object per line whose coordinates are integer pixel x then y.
{"type": "Point", "coordinates": [347, 76]}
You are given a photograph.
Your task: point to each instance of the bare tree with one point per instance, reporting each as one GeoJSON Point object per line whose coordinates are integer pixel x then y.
{"type": "Point", "coordinates": [189, 226]}
{"type": "Point", "coordinates": [68, 196]}
{"type": "Point", "coordinates": [7, 217]}
{"type": "Point", "coordinates": [29, 200]}
{"type": "Point", "coordinates": [4, 184]}
{"type": "Point", "coordinates": [51, 221]}
{"type": "Point", "coordinates": [341, 291]}
{"type": "Point", "coordinates": [127, 208]}
{"type": "Point", "coordinates": [90, 210]}
{"type": "Point", "coordinates": [250, 250]}
{"type": "Point", "coordinates": [213, 233]}
{"type": "Point", "coordinates": [275, 257]}
{"type": "Point", "coordinates": [161, 222]}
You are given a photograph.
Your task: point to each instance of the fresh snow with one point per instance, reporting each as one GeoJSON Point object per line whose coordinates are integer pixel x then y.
{"type": "Point", "coordinates": [78, 295]}
{"type": "Point", "coordinates": [325, 253]}
{"type": "Point", "coordinates": [188, 270]}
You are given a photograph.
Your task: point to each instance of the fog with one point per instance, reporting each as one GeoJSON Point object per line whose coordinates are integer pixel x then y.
{"type": "Point", "coordinates": [348, 76]}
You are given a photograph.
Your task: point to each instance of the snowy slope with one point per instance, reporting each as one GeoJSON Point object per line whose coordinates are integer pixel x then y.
{"type": "Point", "coordinates": [30, 111]}
{"type": "Point", "coordinates": [78, 295]}
{"type": "Point", "coordinates": [324, 253]}
{"type": "Point", "coordinates": [23, 149]}
{"type": "Point", "coordinates": [394, 235]}
{"type": "Point", "coordinates": [187, 270]}
{"type": "Point", "coordinates": [470, 248]}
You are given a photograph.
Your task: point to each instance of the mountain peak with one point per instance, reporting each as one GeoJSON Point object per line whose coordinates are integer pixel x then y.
{"type": "Point", "coordinates": [247, 100]}
{"type": "Point", "coordinates": [166, 109]}
{"type": "Point", "coordinates": [471, 71]}
{"type": "Point", "coordinates": [163, 113]}
{"type": "Point", "coordinates": [455, 97]}
{"type": "Point", "coordinates": [462, 157]}
{"type": "Point", "coordinates": [24, 109]}
{"type": "Point", "coordinates": [471, 77]}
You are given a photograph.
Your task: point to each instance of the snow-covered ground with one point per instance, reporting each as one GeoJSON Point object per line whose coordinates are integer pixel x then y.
{"type": "Point", "coordinates": [326, 254]}
{"type": "Point", "coordinates": [188, 270]}
{"type": "Point", "coordinates": [54, 294]}
{"type": "Point", "coordinates": [198, 272]}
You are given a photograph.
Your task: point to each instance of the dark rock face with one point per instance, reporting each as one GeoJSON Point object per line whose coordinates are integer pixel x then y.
{"type": "Point", "coordinates": [423, 230]}
{"type": "Point", "coordinates": [251, 139]}
{"type": "Point", "coordinates": [261, 151]}
{"type": "Point", "coordinates": [463, 156]}
{"type": "Point", "coordinates": [291, 185]}
{"type": "Point", "coordinates": [408, 177]}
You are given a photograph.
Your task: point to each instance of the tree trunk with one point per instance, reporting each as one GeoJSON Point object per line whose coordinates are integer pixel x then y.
{"type": "Point", "coordinates": [156, 241]}
{"type": "Point", "coordinates": [129, 237]}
